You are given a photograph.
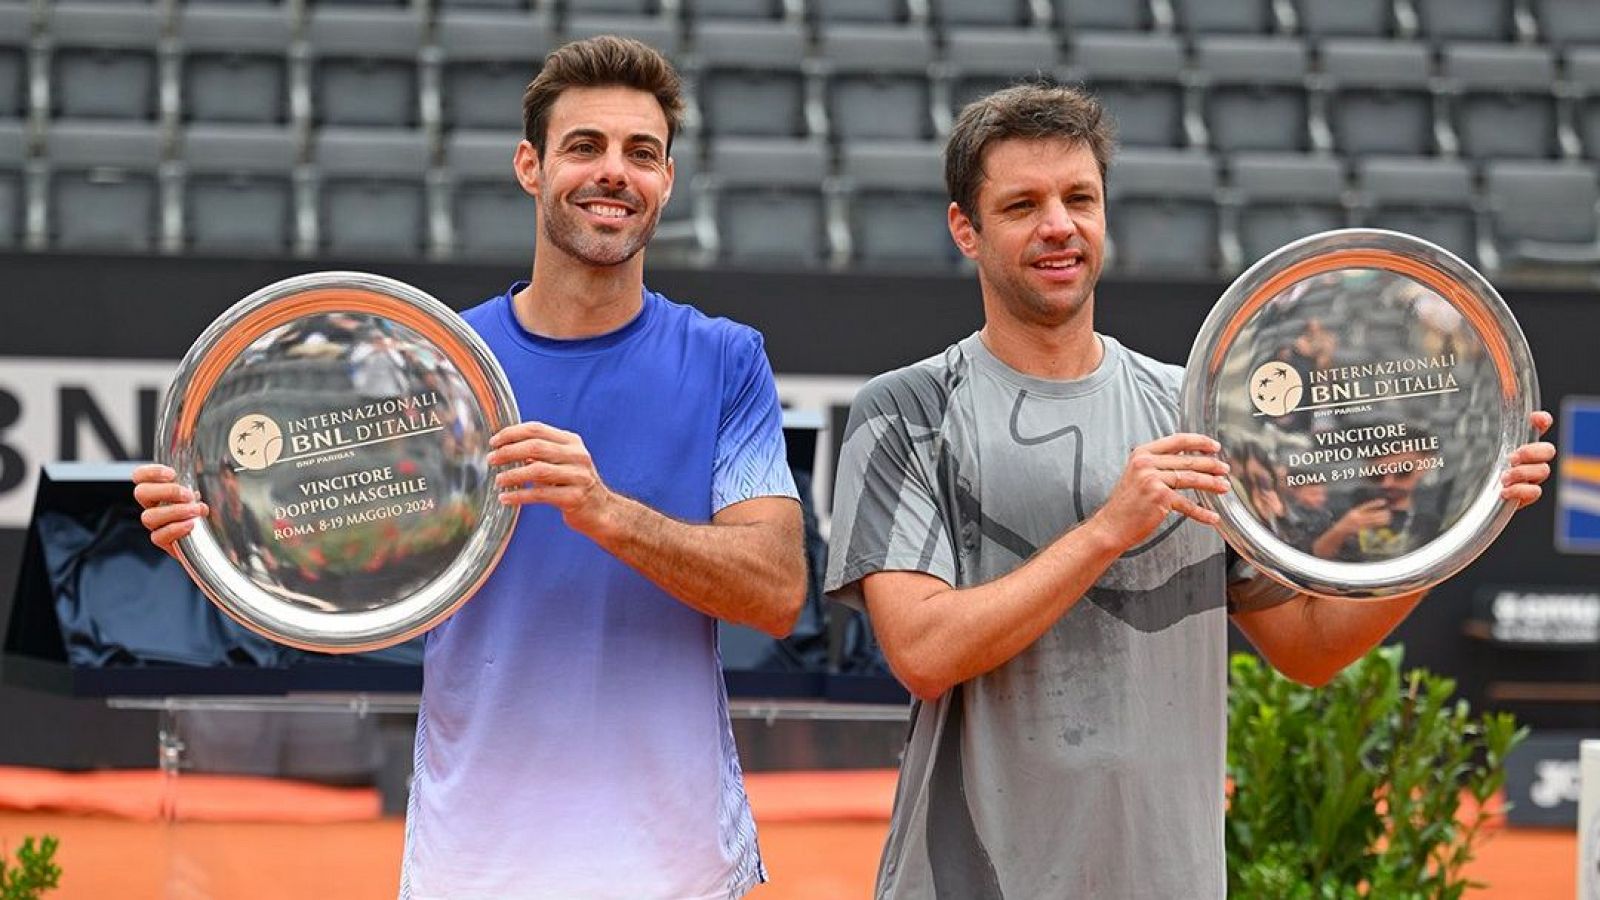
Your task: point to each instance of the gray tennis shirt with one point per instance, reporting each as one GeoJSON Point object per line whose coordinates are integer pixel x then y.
{"type": "Point", "coordinates": [1091, 765]}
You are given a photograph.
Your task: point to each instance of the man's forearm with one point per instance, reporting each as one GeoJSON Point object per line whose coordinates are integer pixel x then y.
{"type": "Point", "coordinates": [1311, 639]}
{"type": "Point", "coordinates": [749, 573]}
{"type": "Point", "coordinates": [955, 635]}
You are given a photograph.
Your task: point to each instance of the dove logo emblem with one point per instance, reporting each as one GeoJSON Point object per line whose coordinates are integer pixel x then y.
{"type": "Point", "coordinates": [1275, 389]}
{"type": "Point", "coordinates": [255, 442]}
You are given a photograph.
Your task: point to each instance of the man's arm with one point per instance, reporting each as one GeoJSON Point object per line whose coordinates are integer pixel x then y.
{"type": "Point", "coordinates": [747, 566]}
{"type": "Point", "coordinates": [1311, 639]}
{"type": "Point", "coordinates": [935, 636]}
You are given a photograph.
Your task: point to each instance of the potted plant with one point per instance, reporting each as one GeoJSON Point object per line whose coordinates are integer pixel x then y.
{"type": "Point", "coordinates": [1356, 789]}
{"type": "Point", "coordinates": [33, 872]}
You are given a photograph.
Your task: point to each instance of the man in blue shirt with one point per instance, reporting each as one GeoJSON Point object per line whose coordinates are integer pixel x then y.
{"type": "Point", "coordinates": [574, 740]}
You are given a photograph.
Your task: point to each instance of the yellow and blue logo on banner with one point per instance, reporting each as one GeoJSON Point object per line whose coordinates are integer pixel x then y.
{"type": "Point", "coordinates": [1578, 489]}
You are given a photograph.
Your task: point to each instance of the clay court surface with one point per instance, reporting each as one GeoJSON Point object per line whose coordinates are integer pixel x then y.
{"type": "Point", "coordinates": [820, 834]}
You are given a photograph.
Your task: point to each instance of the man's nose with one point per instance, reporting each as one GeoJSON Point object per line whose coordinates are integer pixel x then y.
{"type": "Point", "coordinates": [613, 169]}
{"type": "Point", "coordinates": [1057, 223]}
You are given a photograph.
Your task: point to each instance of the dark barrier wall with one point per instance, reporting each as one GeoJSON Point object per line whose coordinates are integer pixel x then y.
{"type": "Point", "coordinates": [70, 308]}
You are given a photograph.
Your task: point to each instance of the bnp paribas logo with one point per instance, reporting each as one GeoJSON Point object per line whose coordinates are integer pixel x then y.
{"type": "Point", "coordinates": [1276, 389]}
{"type": "Point", "coordinates": [255, 441]}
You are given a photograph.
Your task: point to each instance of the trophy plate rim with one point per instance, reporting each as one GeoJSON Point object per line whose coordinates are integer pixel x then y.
{"type": "Point", "coordinates": [201, 552]}
{"type": "Point", "coordinates": [1475, 298]}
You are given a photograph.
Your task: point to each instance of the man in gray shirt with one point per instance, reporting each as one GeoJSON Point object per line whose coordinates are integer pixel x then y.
{"type": "Point", "coordinates": [1012, 515]}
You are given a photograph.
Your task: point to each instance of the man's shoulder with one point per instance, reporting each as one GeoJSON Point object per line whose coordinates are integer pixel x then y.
{"type": "Point", "coordinates": [700, 328]}
{"type": "Point", "coordinates": [1149, 373]}
{"type": "Point", "coordinates": [480, 314]}
{"type": "Point", "coordinates": [924, 384]}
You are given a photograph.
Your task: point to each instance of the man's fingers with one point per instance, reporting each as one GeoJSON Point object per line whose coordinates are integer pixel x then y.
{"type": "Point", "coordinates": [1182, 442]}
{"type": "Point", "coordinates": [534, 449]}
{"type": "Point", "coordinates": [1208, 464]}
{"type": "Point", "coordinates": [154, 472]}
{"type": "Point", "coordinates": [1531, 473]}
{"type": "Point", "coordinates": [1523, 494]}
{"type": "Point", "coordinates": [166, 536]}
{"type": "Point", "coordinates": [1541, 421]}
{"type": "Point", "coordinates": [157, 517]}
{"type": "Point", "coordinates": [1540, 452]}
{"type": "Point", "coordinates": [1199, 481]}
{"type": "Point", "coordinates": [155, 494]}
{"type": "Point", "coordinates": [538, 473]}
{"type": "Point", "coordinates": [555, 495]}
{"type": "Point", "coordinates": [523, 431]}
{"type": "Point", "coordinates": [1184, 506]}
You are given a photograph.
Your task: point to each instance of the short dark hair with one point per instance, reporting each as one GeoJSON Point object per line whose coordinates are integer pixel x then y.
{"type": "Point", "coordinates": [603, 61]}
{"type": "Point", "coordinates": [1035, 110]}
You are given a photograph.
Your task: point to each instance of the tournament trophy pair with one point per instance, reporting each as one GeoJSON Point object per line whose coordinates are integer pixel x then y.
{"type": "Point", "coordinates": [1366, 387]}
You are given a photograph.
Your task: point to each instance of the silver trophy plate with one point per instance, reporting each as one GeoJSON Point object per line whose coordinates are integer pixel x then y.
{"type": "Point", "coordinates": [1367, 388]}
{"type": "Point", "coordinates": [338, 426]}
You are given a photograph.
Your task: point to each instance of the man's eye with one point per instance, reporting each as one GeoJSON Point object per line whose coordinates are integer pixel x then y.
{"type": "Point", "coordinates": [1020, 205]}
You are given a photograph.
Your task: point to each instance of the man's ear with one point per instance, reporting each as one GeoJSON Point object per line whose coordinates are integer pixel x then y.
{"type": "Point", "coordinates": [672, 179]}
{"type": "Point", "coordinates": [526, 165]}
{"type": "Point", "coordinates": [964, 231]}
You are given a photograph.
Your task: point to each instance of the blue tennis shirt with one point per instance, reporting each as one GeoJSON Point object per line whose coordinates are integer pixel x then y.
{"type": "Point", "coordinates": [574, 740]}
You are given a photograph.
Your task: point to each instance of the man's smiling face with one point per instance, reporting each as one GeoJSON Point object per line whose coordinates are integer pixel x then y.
{"type": "Point", "coordinates": [605, 174]}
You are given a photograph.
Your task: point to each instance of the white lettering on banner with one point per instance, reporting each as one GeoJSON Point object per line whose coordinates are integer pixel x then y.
{"type": "Point", "coordinates": [99, 410]}
{"type": "Point", "coordinates": [90, 410]}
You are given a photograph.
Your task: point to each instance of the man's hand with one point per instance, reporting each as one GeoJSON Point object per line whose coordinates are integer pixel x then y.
{"type": "Point", "coordinates": [170, 509]}
{"type": "Point", "coordinates": [1530, 465]}
{"type": "Point", "coordinates": [550, 466]}
{"type": "Point", "coordinates": [1152, 483]}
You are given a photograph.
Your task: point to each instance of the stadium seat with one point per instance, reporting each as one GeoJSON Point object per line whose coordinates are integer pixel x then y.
{"type": "Point", "coordinates": [750, 78]}
{"type": "Point", "coordinates": [371, 191]}
{"type": "Point", "coordinates": [234, 63]}
{"type": "Point", "coordinates": [613, 7]}
{"type": "Point", "coordinates": [1466, 20]}
{"type": "Point", "coordinates": [485, 63]}
{"type": "Point", "coordinates": [1283, 197]}
{"type": "Point", "coordinates": [1380, 97]}
{"type": "Point", "coordinates": [1225, 16]}
{"type": "Point", "coordinates": [655, 31]}
{"type": "Point", "coordinates": [491, 216]}
{"type": "Point", "coordinates": [768, 200]}
{"type": "Point", "coordinates": [16, 32]}
{"type": "Point", "coordinates": [1543, 213]}
{"type": "Point", "coordinates": [104, 186]}
{"type": "Point", "coordinates": [1255, 95]}
{"type": "Point", "coordinates": [733, 9]}
{"type": "Point", "coordinates": [239, 189]}
{"type": "Point", "coordinates": [1503, 102]}
{"type": "Point", "coordinates": [103, 61]}
{"type": "Point", "coordinates": [982, 61]}
{"type": "Point", "coordinates": [1162, 213]}
{"type": "Point", "coordinates": [1430, 198]}
{"type": "Point", "coordinates": [1139, 78]}
{"type": "Point", "coordinates": [13, 184]}
{"type": "Point", "coordinates": [897, 204]}
{"type": "Point", "coordinates": [955, 15]}
{"type": "Point", "coordinates": [1103, 15]}
{"type": "Point", "coordinates": [880, 11]}
{"type": "Point", "coordinates": [878, 84]}
{"type": "Point", "coordinates": [364, 68]}
{"type": "Point", "coordinates": [1567, 22]}
{"type": "Point", "coordinates": [1346, 18]}
{"type": "Point", "coordinates": [1583, 75]}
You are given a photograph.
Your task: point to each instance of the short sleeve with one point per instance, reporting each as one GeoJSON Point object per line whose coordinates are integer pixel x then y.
{"type": "Point", "coordinates": [751, 458]}
{"type": "Point", "coordinates": [886, 512]}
